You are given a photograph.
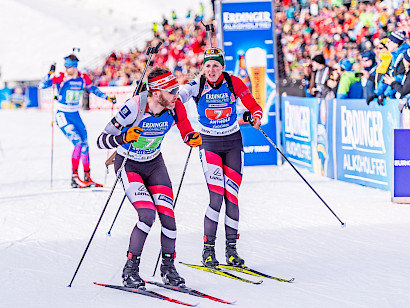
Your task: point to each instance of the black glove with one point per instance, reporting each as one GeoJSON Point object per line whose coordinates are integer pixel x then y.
{"type": "Point", "coordinates": [52, 69]}
{"type": "Point", "coordinates": [380, 100]}
{"type": "Point", "coordinates": [247, 117]}
{"type": "Point", "coordinates": [370, 98]}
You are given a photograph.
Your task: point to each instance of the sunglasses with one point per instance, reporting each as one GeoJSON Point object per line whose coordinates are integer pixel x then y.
{"type": "Point", "coordinates": [213, 52]}
{"type": "Point", "coordinates": [173, 91]}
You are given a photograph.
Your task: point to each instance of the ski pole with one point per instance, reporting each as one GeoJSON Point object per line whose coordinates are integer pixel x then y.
{"type": "Point", "coordinates": [151, 51]}
{"type": "Point", "coordinates": [52, 136]}
{"type": "Point", "coordinates": [209, 29]}
{"type": "Point", "coordinates": [247, 117]}
{"type": "Point", "coordinates": [115, 218]}
{"type": "Point", "coordinates": [175, 202]}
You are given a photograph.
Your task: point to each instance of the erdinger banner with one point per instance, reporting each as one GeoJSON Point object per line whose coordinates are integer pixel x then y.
{"type": "Point", "coordinates": [362, 141]}
{"type": "Point", "coordinates": [245, 33]}
{"type": "Point", "coordinates": [300, 131]}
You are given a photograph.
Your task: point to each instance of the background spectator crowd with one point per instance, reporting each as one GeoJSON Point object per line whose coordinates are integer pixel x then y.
{"type": "Point", "coordinates": [344, 51]}
{"type": "Point", "coordinates": [184, 41]}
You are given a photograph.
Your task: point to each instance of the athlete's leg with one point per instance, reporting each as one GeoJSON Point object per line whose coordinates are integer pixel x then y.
{"type": "Point", "coordinates": [140, 198]}
{"type": "Point", "coordinates": [66, 122]}
{"type": "Point", "coordinates": [233, 164]}
{"type": "Point", "coordinates": [75, 157]}
{"type": "Point", "coordinates": [213, 171]}
{"type": "Point", "coordinates": [82, 131]}
{"type": "Point", "coordinates": [160, 187]}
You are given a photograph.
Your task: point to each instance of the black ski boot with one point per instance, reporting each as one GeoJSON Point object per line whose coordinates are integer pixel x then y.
{"type": "Point", "coordinates": [169, 273]}
{"type": "Point", "coordinates": [208, 254]}
{"type": "Point", "coordinates": [232, 257]}
{"type": "Point", "coordinates": [130, 275]}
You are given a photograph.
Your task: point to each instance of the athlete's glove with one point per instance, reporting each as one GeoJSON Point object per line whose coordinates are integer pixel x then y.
{"type": "Point", "coordinates": [194, 139]}
{"type": "Point", "coordinates": [370, 98]}
{"type": "Point", "coordinates": [254, 120]}
{"type": "Point", "coordinates": [132, 134]}
{"type": "Point", "coordinates": [52, 69]}
{"type": "Point", "coordinates": [112, 99]}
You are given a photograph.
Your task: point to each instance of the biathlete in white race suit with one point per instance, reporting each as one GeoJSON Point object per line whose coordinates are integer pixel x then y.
{"type": "Point", "coordinates": [70, 87]}
{"type": "Point", "coordinates": [221, 152]}
{"type": "Point", "coordinates": [143, 122]}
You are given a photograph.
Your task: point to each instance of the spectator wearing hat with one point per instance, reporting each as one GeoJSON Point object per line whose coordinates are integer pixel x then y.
{"type": "Point", "coordinates": [396, 46]}
{"type": "Point", "coordinates": [319, 77]}
{"type": "Point", "coordinates": [349, 85]}
{"type": "Point", "coordinates": [368, 71]}
{"type": "Point", "coordinates": [385, 58]}
{"type": "Point", "coordinates": [403, 87]}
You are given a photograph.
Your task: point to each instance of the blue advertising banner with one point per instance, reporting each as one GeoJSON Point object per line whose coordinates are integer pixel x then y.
{"type": "Point", "coordinates": [300, 131]}
{"type": "Point", "coordinates": [401, 165]}
{"type": "Point", "coordinates": [245, 30]}
{"type": "Point", "coordinates": [362, 139]}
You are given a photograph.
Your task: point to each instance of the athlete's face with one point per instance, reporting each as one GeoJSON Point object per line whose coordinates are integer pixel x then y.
{"type": "Point", "coordinates": [213, 70]}
{"type": "Point", "coordinates": [167, 100]}
{"type": "Point", "coordinates": [71, 71]}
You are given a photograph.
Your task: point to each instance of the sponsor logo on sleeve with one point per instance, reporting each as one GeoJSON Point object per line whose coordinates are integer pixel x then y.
{"type": "Point", "coordinates": [125, 112]}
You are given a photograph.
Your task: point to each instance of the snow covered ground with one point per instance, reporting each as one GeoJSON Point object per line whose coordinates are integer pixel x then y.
{"type": "Point", "coordinates": [285, 231]}
{"type": "Point", "coordinates": [35, 34]}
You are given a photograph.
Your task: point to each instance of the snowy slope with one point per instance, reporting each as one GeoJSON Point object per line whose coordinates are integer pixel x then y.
{"type": "Point", "coordinates": [35, 34]}
{"type": "Point", "coordinates": [285, 231]}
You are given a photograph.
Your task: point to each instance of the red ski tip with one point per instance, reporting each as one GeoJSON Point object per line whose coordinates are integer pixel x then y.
{"type": "Point", "coordinates": [99, 284]}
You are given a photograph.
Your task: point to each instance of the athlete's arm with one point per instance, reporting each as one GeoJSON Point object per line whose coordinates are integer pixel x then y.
{"type": "Point", "coordinates": [48, 81]}
{"type": "Point", "coordinates": [92, 88]}
{"type": "Point", "coordinates": [183, 123]}
{"type": "Point", "coordinates": [112, 136]}
{"type": "Point", "coordinates": [189, 90]}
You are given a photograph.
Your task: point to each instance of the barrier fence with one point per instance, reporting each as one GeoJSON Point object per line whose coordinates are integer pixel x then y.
{"type": "Point", "coordinates": [342, 139]}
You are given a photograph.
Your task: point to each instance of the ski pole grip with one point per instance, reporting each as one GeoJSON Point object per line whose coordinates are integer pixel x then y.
{"type": "Point", "coordinates": [148, 51]}
{"type": "Point", "coordinates": [156, 49]}
{"type": "Point", "coordinates": [247, 117]}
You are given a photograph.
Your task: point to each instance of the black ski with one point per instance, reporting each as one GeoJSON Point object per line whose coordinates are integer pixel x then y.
{"type": "Point", "coordinates": [184, 289]}
{"type": "Point", "coordinates": [246, 270]}
{"type": "Point", "coordinates": [146, 292]}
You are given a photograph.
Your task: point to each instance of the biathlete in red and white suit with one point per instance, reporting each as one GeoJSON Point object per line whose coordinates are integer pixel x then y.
{"type": "Point", "coordinates": [142, 124]}
{"type": "Point", "coordinates": [221, 151]}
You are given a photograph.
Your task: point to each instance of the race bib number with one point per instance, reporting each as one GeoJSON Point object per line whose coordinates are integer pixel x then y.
{"type": "Point", "coordinates": [217, 114]}
{"type": "Point", "coordinates": [73, 96]}
{"type": "Point", "coordinates": [148, 143]}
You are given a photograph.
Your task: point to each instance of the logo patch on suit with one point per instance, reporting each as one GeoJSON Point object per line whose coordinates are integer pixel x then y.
{"type": "Point", "coordinates": [125, 112]}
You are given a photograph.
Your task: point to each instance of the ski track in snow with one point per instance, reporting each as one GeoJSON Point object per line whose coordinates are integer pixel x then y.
{"type": "Point", "coordinates": [285, 231]}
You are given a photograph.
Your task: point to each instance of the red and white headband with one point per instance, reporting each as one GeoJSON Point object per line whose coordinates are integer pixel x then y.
{"type": "Point", "coordinates": [166, 81]}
